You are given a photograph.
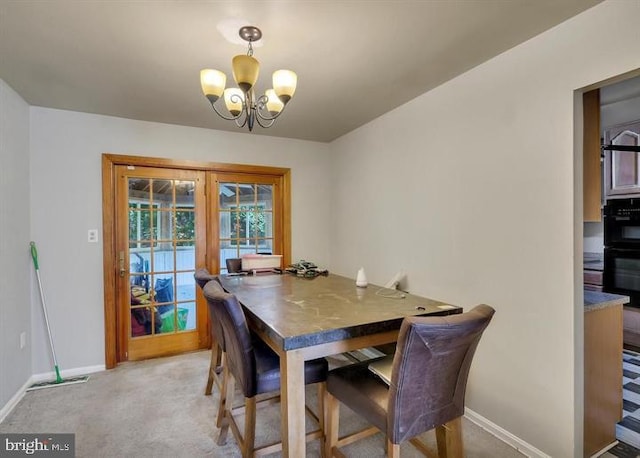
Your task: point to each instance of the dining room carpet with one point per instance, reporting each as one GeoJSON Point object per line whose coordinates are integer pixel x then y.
{"type": "Point", "coordinates": [157, 408]}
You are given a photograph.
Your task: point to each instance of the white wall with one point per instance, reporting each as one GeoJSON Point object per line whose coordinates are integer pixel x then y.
{"type": "Point", "coordinates": [15, 263]}
{"type": "Point", "coordinates": [66, 150]}
{"type": "Point", "coordinates": [470, 189]}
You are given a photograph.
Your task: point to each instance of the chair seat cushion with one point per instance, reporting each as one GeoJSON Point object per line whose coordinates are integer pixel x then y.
{"type": "Point", "coordinates": [268, 368]}
{"type": "Point", "coordinates": [362, 391]}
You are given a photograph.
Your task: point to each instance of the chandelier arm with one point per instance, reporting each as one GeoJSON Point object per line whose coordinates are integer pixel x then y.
{"type": "Point", "coordinates": [261, 104]}
{"type": "Point", "coordinates": [244, 122]}
{"type": "Point", "coordinates": [262, 123]}
{"type": "Point", "coordinates": [269, 118]}
{"type": "Point", "coordinates": [232, 118]}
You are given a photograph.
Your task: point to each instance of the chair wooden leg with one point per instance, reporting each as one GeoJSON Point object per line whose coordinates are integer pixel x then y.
{"type": "Point", "coordinates": [393, 450]}
{"type": "Point", "coordinates": [216, 361]}
{"type": "Point", "coordinates": [449, 439]}
{"type": "Point", "coordinates": [224, 391]}
{"type": "Point", "coordinates": [331, 421]}
{"type": "Point", "coordinates": [226, 404]}
{"type": "Point", "coordinates": [322, 388]}
{"type": "Point", "coordinates": [248, 442]}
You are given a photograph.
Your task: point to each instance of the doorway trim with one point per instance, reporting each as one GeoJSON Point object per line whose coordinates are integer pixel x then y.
{"type": "Point", "coordinates": [109, 263]}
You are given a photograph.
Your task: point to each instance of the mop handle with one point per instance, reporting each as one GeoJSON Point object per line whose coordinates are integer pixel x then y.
{"type": "Point", "coordinates": [34, 255]}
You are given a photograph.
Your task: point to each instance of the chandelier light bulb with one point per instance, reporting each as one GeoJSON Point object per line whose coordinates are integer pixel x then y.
{"type": "Point", "coordinates": [245, 71]}
{"type": "Point", "coordinates": [234, 100]}
{"type": "Point", "coordinates": [213, 83]}
{"type": "Point", "coordinates": [284, 84]}
{"type": "Point", "coordinates": [274, 104]}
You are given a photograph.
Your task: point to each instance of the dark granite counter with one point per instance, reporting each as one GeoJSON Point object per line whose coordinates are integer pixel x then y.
{"type": "Point", "coordinates": [594, 300]}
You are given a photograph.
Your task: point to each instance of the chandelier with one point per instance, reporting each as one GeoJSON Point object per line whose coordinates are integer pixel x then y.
{"type": "Point", "coordinates": [243, 107]}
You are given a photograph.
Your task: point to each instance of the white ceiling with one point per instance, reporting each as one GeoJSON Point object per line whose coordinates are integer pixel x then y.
{"type": "Point", "coordinates": [355, 60]}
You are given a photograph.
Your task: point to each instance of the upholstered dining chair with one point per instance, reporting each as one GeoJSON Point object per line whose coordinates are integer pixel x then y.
{"type": "Point", "coordinates": [255, 367]}
{"type": "Point", "coordinates": [202, 277]}
{"type": "Point", "coordinates": [234, 265]}
{"type": "Point", "coordinates": [427, 385]}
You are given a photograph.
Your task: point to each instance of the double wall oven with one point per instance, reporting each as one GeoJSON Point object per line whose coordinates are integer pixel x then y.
{"type": "Point", "coordinates": [622, 248]}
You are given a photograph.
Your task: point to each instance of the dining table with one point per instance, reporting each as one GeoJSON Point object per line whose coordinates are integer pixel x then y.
{"type": "Point", "coordinates": [306, 318]}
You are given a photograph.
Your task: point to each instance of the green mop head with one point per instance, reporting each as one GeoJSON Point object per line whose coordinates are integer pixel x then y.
{"type": "Point", "coordinates": [68, 381]}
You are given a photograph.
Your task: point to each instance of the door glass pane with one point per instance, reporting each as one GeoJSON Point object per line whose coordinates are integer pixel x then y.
{"type": "Point", "coordinates": [162, 192]}
{"type": "Point", "coordinates": [240, 224]}
{"type": "Point", "coordinates": [164, 222]}
{"type": "Point", "coordinates": [186, 316]}
{"type": "Point", "coordinates": [257, 223]}
{"type": "Point", "coordinates": [186, 257]}
{"type": "Point", "coordinates": [265, 196]}
{"type": "Point", "coordinates": [225, 225]}
{"type": "Point", "coordinates": [167, 319]}
{"type": "Point", "coordinates": [185, 194]}
{"type": "Point", "coordinates": [140, 226]}
{"type": "Point", "coordinates": [268, 224]}
{"type": "Point", "coordinates": [186, 287]}
{"type": "Point", "coordinates": [163, 257]}
{"type": "Point", "coordinates": [185, 225]}
{"type": "Point", "coordinates": [265, 246]}
{"type": "Point", "coordinates": [228, 195]}
{"type": "Point", "coordinates": [139, 191]}
{"type": "Point", "coordinates": [141, 321]}
{"type": "Point", "coordinates": [247, 194]}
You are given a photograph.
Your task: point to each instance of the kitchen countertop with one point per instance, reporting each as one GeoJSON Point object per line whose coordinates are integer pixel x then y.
{"type": "Point", "coordinates": [594, 300]}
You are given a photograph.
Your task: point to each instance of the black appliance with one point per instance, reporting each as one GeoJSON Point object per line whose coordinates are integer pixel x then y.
{"type": "Point", "coordinates": [622, 248]}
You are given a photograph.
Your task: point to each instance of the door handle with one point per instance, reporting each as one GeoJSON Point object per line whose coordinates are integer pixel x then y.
{"type": "Point", "coordinates": [122, 269]}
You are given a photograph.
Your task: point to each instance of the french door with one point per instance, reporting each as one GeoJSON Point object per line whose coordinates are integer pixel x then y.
{"type": "Point", "coordinates": [162, 220]}
{"type": "Point", "coordinates": [161, 233]}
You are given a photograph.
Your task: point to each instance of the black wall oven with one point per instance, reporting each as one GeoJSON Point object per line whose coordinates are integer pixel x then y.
{"type": "Point", "coordinates": [622, 248]}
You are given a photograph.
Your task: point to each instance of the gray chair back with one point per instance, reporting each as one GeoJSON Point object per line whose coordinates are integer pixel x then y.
{"type": "Point", "coordinates": [430, 370]}
{"type": "Point", "coordinates": [237, 338]}
{"type": "Point", "coordinates": [203, 277]}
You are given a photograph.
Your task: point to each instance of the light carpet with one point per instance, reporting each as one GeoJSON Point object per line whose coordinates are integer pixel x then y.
{"type": "Point", "coordinates": [156, 408]}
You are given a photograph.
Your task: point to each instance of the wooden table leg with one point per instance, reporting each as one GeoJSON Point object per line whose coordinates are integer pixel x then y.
{"type": "Point", "coordinates": [292, 404]}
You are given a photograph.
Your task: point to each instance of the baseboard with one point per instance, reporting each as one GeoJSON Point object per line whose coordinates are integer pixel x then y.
{"type": "Point", "coordinates": [504, 435]}
{"type": "Point", "coordinates": [35, 378]}
{"type": "Point", "coordinates": [10, 405]}
{"type": "Point", "coordinates": [606, 449]}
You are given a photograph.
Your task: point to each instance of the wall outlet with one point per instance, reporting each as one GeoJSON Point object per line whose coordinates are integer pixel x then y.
{"type": "Point", "coordinates": [93, 236]}
{"type": "Point", "coordinates": [23, 340]}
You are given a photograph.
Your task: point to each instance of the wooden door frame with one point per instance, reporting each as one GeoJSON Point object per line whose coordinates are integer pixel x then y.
{"type": "Point", "coordinates": [110, 267]}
